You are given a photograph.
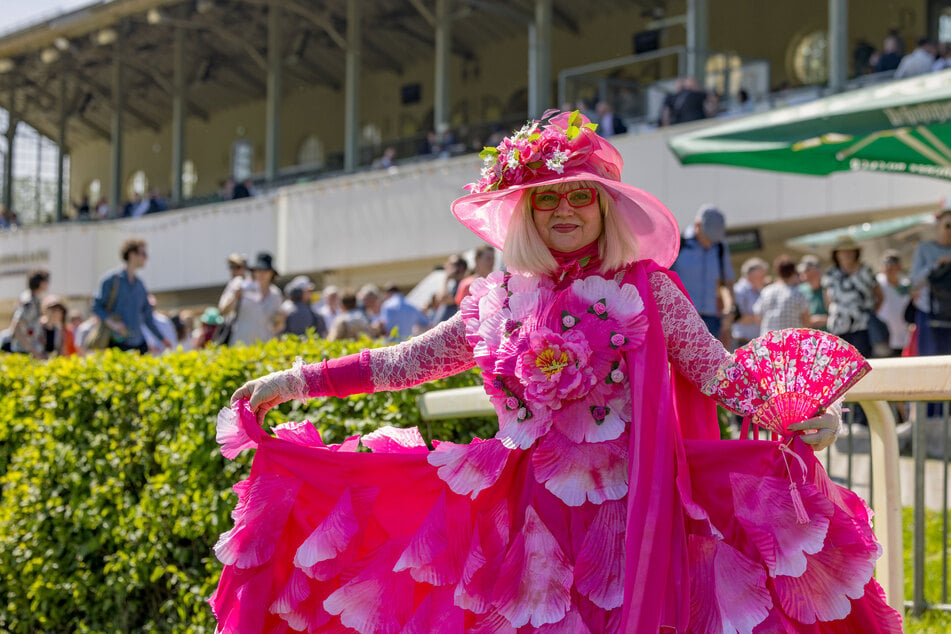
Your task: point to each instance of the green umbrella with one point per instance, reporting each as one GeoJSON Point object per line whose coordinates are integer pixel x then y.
{"type": "Point", "coordinates": [900, 126]}
{"type": "Point", "coordinates": [859, 232]}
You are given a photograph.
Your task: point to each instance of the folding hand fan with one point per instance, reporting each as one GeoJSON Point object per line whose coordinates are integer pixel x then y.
{"type": "Point", "coordinates": [797, 372]}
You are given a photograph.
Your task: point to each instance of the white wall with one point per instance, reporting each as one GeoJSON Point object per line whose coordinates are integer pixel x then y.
{"type": "Point", "coordinates": [381, 217]}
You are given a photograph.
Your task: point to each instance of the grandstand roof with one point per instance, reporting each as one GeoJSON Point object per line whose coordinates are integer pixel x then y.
{"type": "Point", "coordinates": [226, 52]}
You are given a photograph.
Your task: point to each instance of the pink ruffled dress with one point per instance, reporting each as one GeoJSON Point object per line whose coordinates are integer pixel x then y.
{"type": "Point", "coordinates": [605, 503]}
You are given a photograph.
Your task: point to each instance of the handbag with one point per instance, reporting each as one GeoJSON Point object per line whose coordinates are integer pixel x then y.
{"type": "Point", "coordinates": [911, 312]}
{"type": "Point", "coordinates": [222, 334]}
{"type": "Point", "coordinates": [877, 330]}
{"type": "Point", "coordinates": [100, 336]}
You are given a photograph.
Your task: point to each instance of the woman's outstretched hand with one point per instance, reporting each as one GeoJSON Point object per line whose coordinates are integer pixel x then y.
{"type": "Point", "coordinates": [270, 390]}
{"type": "Point", "coordinates": [822, 430]}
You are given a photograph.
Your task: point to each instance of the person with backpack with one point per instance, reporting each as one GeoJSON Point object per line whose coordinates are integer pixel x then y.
{"type": "Point", "coordinates": [931, 277]}
{"type": "Point", "coordinates": [705, 269]}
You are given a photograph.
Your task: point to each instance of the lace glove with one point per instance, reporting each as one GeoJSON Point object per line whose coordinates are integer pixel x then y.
{"type": "Point", "coordinates": [275, 388]}
{"type": "Point", "coordinates": [822, 430]}
{"type": "Point", "coordinates": [693, 351]}
{"type": "Point", "coordinates": [437, 353]}
{"type": "Point", "coordinates": [700, 358]}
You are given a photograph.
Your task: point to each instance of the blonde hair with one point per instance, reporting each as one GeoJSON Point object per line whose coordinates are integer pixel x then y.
{"type": "Point", "coordinates": [525, 252]}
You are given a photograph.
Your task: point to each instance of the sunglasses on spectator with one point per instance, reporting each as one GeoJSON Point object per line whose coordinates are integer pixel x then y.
{"type": "Point", "coordinates": [549, 200]}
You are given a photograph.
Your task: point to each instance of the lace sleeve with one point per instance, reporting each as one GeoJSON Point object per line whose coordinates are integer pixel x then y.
{"type": "Point", "coordinates": [435, 354]}
{"type": "Point", "coordinates": [693, 351]}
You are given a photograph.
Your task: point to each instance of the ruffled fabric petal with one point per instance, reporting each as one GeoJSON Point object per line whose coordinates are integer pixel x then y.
{"type": "Point", "coordinates": [534, 583]}
{"type": "Point", "coordinates": [294, 608]}
{"type": "Point", "coordinates": [236, 601]}
{"type": "Point", "coordinates": [622, 302]}
{"type": "Point", "coordinates": [727, 590]}
{"type": "Point", "coordinates": [832, 576]}
{"type": "Point", "coordinates": [469, 469]}
{"type": "Point", "coordinates": [487, 550]}
{"type": "Point", "coordinates": [389, 439]}
{"type": "Point", "coordinates": [599, 565]}
{"type": "Point", "coordinates": [300, 433]}
{"type": "Point", "coordinates": [436, 615]}
{"type": "Point", "coordinates": [765, 509]}
{"type": "Point", "coordinates": [232, 434]}
{"type": "Point", "coordinates": [331, 537]}
{"type": "Point", "coordinates": [493, 623]}
{"type": "Point", "coordinates": [573, 623]}
{"type": "Point", "coordinates": [579, 472]}
{"type": "Point", "coordinates": [594, 419]}
{"type": "Point", "coordinates": [358, 602]}
{"type": "Point", "coordinates": [251, 542]}
{"type": "Point", "coordinates": [436, 552]}
{"type": "Point", "coordinates": [517, 432]}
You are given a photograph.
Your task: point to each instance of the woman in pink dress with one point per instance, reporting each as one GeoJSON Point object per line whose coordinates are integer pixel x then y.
{"type": "Point", "coordinates": [606, 502]}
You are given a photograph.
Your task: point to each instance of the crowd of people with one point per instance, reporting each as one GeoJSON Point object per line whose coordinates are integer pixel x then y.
{"type": "Point", "coordinates": [927, 56]}
{"type": "Point", "coordinates": [252, 308]}
{"type": "Point", "coordinates": [884, 309]}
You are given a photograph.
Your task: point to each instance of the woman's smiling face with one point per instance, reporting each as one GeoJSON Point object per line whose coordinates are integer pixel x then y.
{"type": "Point", "coordinates": [567, 228]}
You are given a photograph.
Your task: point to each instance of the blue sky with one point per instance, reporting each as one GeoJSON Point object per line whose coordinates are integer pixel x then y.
{"type": "Point", "coordinates": [20, 13]}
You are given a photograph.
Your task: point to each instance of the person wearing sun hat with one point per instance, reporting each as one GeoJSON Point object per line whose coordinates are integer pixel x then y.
{"type": "Point", "coordinates": [604, 503]}
{"type": "Point", "coordinates": [255, 305]}
{"type": "Point", "coordinates": [852, 294]}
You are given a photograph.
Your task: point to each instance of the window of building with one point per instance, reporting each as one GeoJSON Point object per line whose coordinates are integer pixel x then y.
{"type": "Point", "coordinates": [371, 135]}
{"type": "Point", "coordinates": [94, 191]}
{"type": "Point", "coordinates": [810, 58]}
{"type": "Point", "coordinates": [311, 152]}
{"type": "Point", "coordinates": [944, 26]}
{"type": "Point", "coordinates": [724, 73]}
{"type": "Point", "coordinates": [189, 178]}
{"type": "Point", "coordinates": [138, 184]}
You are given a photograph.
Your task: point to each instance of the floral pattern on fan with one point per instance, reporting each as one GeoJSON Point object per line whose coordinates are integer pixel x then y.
{"type": "Point", "coordinates": [787, 376]}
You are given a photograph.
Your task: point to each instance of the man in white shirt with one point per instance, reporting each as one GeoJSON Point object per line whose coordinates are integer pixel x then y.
{"type": "Point", "coordinates": [919, 61]}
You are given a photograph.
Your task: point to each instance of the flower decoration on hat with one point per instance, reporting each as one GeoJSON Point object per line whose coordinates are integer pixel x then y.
{"type": "Point", "coordinates": [541, 148]}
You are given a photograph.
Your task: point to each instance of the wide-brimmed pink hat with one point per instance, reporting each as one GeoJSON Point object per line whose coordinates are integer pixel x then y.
{"type": "Point", "coordinates": [560, 148]}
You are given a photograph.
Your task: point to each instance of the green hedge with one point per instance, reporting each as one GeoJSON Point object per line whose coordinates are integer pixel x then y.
{"type": "Point", "coordinates": [114, 491]}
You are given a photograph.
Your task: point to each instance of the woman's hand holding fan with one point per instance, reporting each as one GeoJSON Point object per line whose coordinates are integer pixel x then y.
{"type": "Point", "coordinates": [821, 431]}
{"type": "Point", "coordinates": [789, 381]}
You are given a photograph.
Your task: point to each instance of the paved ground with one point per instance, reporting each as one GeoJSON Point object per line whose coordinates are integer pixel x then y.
{"type": "Point", "coordinates": [936, 472]}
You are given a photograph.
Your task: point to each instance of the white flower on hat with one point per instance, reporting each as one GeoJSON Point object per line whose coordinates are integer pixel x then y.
{"type": "Point", "coordinates": [557, 162]}
{"type": "Point", "coordinates": [512, 163]}
{"type": "Point", "coordinates": [527, 130]}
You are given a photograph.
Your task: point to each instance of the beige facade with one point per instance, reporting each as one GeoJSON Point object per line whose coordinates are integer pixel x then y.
{"type": "Point", "coordinates": [492, 87]}
{"type": "Point", "coordinates": [378, 226]}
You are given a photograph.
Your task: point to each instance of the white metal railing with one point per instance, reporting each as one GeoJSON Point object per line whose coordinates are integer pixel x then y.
{"type": "Point", "coordinates": [892, 380]}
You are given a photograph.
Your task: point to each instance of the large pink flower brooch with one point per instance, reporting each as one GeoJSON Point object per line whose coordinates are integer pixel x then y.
{"type": "Point", "coordinates": [567, 369]}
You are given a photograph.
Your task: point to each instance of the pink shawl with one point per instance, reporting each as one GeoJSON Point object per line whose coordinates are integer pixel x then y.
{"type": "Point", "coordinates": [665, 409]}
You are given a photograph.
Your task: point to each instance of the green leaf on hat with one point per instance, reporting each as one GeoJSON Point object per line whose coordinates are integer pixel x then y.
{"type": "Point", "coordinates": [488, 152]}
